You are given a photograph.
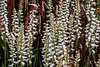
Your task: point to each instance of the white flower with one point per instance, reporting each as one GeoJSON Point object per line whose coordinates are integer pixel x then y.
{"type": "Point", "coordinates": [93, 51]}
{"type": "Point", "coordinates": [48, 58]}
{"type": "Point", "coordinates": [11, 65]}
{"type": "Point", "coordinates": [23, 63]}
{"type": "Point", "coordinates": [63, 62]}
{"type": "Point", "coordinates": [94, 45]}
{"type": "Point", "coordinates": [62, 56]}
{"type": "Point", "coordinates": [51, 65]}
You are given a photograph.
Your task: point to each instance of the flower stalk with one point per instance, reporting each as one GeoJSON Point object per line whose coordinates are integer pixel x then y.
{"type": "Point", "coordinates": [4, 29]}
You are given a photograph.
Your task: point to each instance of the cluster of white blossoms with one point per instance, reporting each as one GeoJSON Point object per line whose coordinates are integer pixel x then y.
{"type": "Point", "coordinates": [77, 31]}
{"type": "Point", "coordinates": [49, 39]}
{"type": "Point", "coordinates": [75, 28]}
{"type": "Point", "coordinates": [77, 58]}
{"type": "Point", "coordinates": [77, 25]}
{"type": "Point", "coordinates": [29, 36]}
{"type": "Point", "coordinates": [54, 41]}
{"type": "Point", "coordinates": [28, 43]}
{"type": "Point", "coordinates": [61, 28]}
{"type": "Point", "coordinates": [68, 20]}
{"type": "Point", "coordinates": [12, 48]}
{"type": "Point", "coordinates": [50, 9]}
{"type": "Point", "coordinates": [4, 24]}
{"type": "Point", "coordinates": [55, 37]}
{"type": "Point", "coordinates": [20, 13]}
{"type": "Point", "coordinates": [63, 16]}
{"type": "Point", "coordinates": [46, 52]}
{"type": "Point", "coordinates": [25, 41]}
{"type": "Point", "coordinates": [92, 28]}
{"type": "Point", "coordinates": [15, 24]}
{"type": "Point", "coordinates": [12, 39]}
{"type": "Point", "coordinates": [20, 44]}
{"type": "Point", "coordinates": [33, 23]}
{"type": "Point", "coordinates": [73, 6]}
{"type": "Point", "coordinates": [61, 35]}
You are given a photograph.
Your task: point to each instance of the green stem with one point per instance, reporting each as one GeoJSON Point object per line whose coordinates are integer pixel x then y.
{"type": "Point", "coordinates": [27, 64]}
{"type": "Point", "coordinates": [76, 40]}
{"type": "Point", "coordinates": [21, 65]}
{"type": "Point", "coordinates": [40, 24]}
{"type": "Point", "coordinates": [15, 65]}
{"type": "Point", "coordinates": [5, 55]}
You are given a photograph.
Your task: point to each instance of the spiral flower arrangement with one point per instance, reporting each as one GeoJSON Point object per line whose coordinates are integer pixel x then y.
{"type": "Point", "coordinates": [20, 44]}
{"type": "Point", "coordinates": [91, 27]}
{"type": "Point", "coordinates": [50, 6]}
{"type": "Point", "coordinates": [20, 13]}
{"type": "Point", "coordinates": [29, 36]}
{"type": "Point", "coordinates": [4, 24]}
{"type": "Point", "coordinates": [22, 52]}
{"type": "Point", "coordinates": [4, 20]}
{"type": "Point", "coordinates": [56, 45]}
{"type": "Point", "coordinates": [49, 54]}
{"type": "Point", "coordinates": [33, 23]}
{"type": "Point", "coordinates": [49, 41]}
{"type": "Point", "coordinates": [15, 24]}
{"type": "Point", "coordinates": [77, 25]}
{"type": "Point", "coordinates": [28, 42]}
{"type": "Point", "coordinates": [73, 6]}
{"type": "Point", "coordinates": [12, 49]}
{"type": "Point", "coordinates": [62, 32]}
{"type": "Point", "coordinates": [24, 42]}
{"type": "Point", "coordinates": [12, 40]}
{"type": "Point", "coordinates": [77, 59]}
{"type": "Point", "coordinates": [45, 40]}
